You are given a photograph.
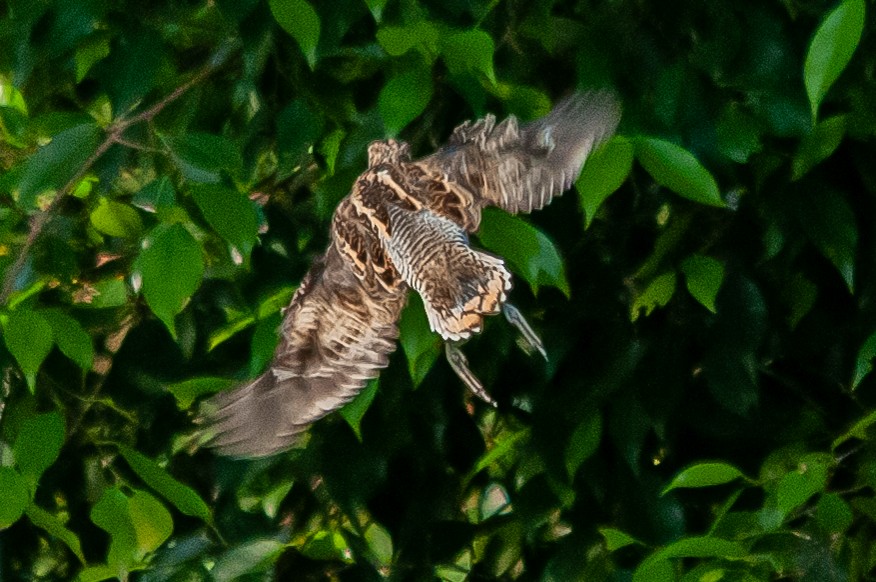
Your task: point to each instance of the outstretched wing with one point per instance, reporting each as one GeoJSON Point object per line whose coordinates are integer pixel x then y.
{"type": "Point", "coordinates": [336, 336]}
{"type": "Point", "coordinates": [520, 168]}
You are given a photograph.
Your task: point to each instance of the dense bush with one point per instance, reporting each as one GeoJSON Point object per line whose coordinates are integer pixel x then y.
{"type": "Point", "coordinates": [167, 174]}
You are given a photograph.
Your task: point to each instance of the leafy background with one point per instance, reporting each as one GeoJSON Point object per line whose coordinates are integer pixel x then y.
{"type": "Point", "coordinates": [706, 294]}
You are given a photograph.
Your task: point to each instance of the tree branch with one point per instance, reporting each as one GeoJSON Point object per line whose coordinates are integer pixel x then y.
{"type": "Point", "coordinates": [114, 135]}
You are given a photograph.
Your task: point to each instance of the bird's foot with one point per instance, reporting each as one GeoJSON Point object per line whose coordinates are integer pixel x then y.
{"type": "Point", "coordinates": [459, 363]}
{"type": "Point", "coordinates": [515, 318]}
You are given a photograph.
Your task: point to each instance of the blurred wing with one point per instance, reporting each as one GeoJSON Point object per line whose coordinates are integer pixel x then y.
{"type": "Point", "coordinates": [520, 168]}
{"type": "Point", "coordinates": [335, 337]}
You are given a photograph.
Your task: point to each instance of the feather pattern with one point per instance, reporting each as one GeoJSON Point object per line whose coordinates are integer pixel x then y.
{"type": "Point", "coordinates": [405, 225]}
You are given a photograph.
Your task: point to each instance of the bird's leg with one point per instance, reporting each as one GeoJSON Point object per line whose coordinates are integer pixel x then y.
{"type": "Point", "coordinates": [515, 318]}
{"type": "Point", "coordinates": [459, 363]}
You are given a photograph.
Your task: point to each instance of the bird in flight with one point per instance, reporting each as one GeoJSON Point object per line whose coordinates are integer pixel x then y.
{"type": "Point", "coordinates": [405, 225]}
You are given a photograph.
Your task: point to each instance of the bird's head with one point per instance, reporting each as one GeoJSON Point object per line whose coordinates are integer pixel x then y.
{"type": "Point", "coordinates": [388, 152]}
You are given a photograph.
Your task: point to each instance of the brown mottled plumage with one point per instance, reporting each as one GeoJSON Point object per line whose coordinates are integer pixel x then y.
{"type": "Point", "coordinates": [405, 225]}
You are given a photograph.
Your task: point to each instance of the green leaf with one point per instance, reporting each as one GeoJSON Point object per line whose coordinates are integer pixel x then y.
{"type": "Point", "coordinates": [38, 444]}
{"type": "Point", "coordinates": [833, 514]}
{"type": "Point", "coordinates": [376, 7]}
{"type": "Point", "coordinates": [404, 97]}
{"type": "Point", "coordinates": [828, 221]}
{"type": "Point", "coordinates": [355, 410]}
{"type": "Point", "coordinates": [857, 431]}
{"type": "Point", "coordinates": [818, 145]}
{"type": "Point", "coordinates": [702, 547]}
{"type": "Point", "coordinates": [155, 196]}
{"type": "Point", "coordinates": [704, 276]}
{"type": "Point", "coordinates": [28, 337]}
{"type": "Point", "coordinates": [604, 172]}
{"type": "Point", "coordinates": [796, 487]}
{"type": "Point", "coordinates": [421, 346]}
{"type": "Point", "coordinates": [657, 294]}
{"type": "Point", "coordinates": [187, 391]}
{"type": "Point", "coordinates": [298, 128]}
{"type": "Point", "coordinates": [676, 168]}
{"type": "Point", "coordinates": [116, 219]}
{"type": "Point", "coordinates": [246, 559]}
{"type": "Point", "coordinates": [739, 134]}
{"type": "Point", "coordinates": [110, 513]}
{"type": "Point", "coordinates": [183, 497]}
{"type": "Point", "coordinates": [53, 526]}
{"type": "Point", "coordinates": [103, 294]}
{"type": "Point", "coordinates": [72, 339]}
{"type": "Point", "coordinates": [615, 539]}
{"type": "Point", "coordinates": [151, 520]}
{"type": "Point", "coordinates": [230, 213]}
{"type": "Point", "coordinates": [14, 496]}
{"type": "Point", "coordinates": [53, 165]}
{"type": "Point", "coordinates": [864, 361]}
{"type": "Point", "coordinates": [380, 543]}
{"type": "Point", "coordinates": [327, 545]}
{"type": "Point", "coordinates": [470, 51]}
{"type": "Point", "coordinates": [831, 49]}
{"type": "Point", "coordinates": [398, 40]}
{"type": "Point", "coordinates": [330, 147]}
{"type": "Point", "coordinates": [584, 442]}
{"type": "Point", "coordinates": [172, 267]}
{"type": "Point", "coordinates": [264, 341]}
{"type": "Point", "coordinates": [704, 475]}
{"type": "Point", "coordinates": [93, 50]}
{"type": "Point", "coordinates": [11, 97]}
{"type": "Point", "coordinates": [301, 21]}
{"type": "Point", "coordinates": [202, 157]}
{"type": "Point", "coordinates": [529, 251]}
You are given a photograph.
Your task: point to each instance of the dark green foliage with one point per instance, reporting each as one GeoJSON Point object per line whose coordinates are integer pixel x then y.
{"type": "Point", "coordinates": [168, 171]}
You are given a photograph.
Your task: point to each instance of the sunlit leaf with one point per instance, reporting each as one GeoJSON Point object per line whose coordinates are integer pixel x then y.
{"type": "Point", "coordinates": [857, 431]}
{"type": "Point", "coordinates": [495, 500]}
{"type": "Point", "coordinates": [28, 337]}
{"type": "Point", "coordinates": [529, 251]}
{"type": "Point", "coordinates": [704, 475]}
{"type": "Point", "coordinates": [606, 169]}
{"type": "Point", "coordinates": [151, 520]}
{"type": "Point", "coordinates": [93, 50]}
{"type": "Point", "coordinates": [656, 294]}
{"type": "Point", "coordinates": [821, 142]}
{"type": "Point", "coordinates": [376, 7]}
{"type": "Point", "coordinates": [116, 219]}
{"type": "Point", "coordinates": [676, 168]}
{"type": "Point", "coordinates": [172, 267]}
{"type": "Point", "coordinates": [404, 97]}
{"type": "Point", "coordinates": [39, 443]}
{"type": "Point", "coordinates": [181, 496]}
{"type": "Point", "coordinates": [14, 496]}
{"type": "Point", "coordinates": [330, 147]}
{"type": "Point", "coordinates": [301, 21]}
{"type": "Point", "coordinates": [703, 276]}
{"type": "Point", "coordinates": [831, 49]}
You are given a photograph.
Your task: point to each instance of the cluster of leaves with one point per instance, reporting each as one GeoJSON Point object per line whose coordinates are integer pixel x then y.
{"type": "Point", "coordinates": [168, 171]}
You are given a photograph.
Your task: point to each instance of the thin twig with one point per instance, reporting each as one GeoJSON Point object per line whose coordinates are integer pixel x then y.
{"type": "Point", "coordinates": [114, 135]}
